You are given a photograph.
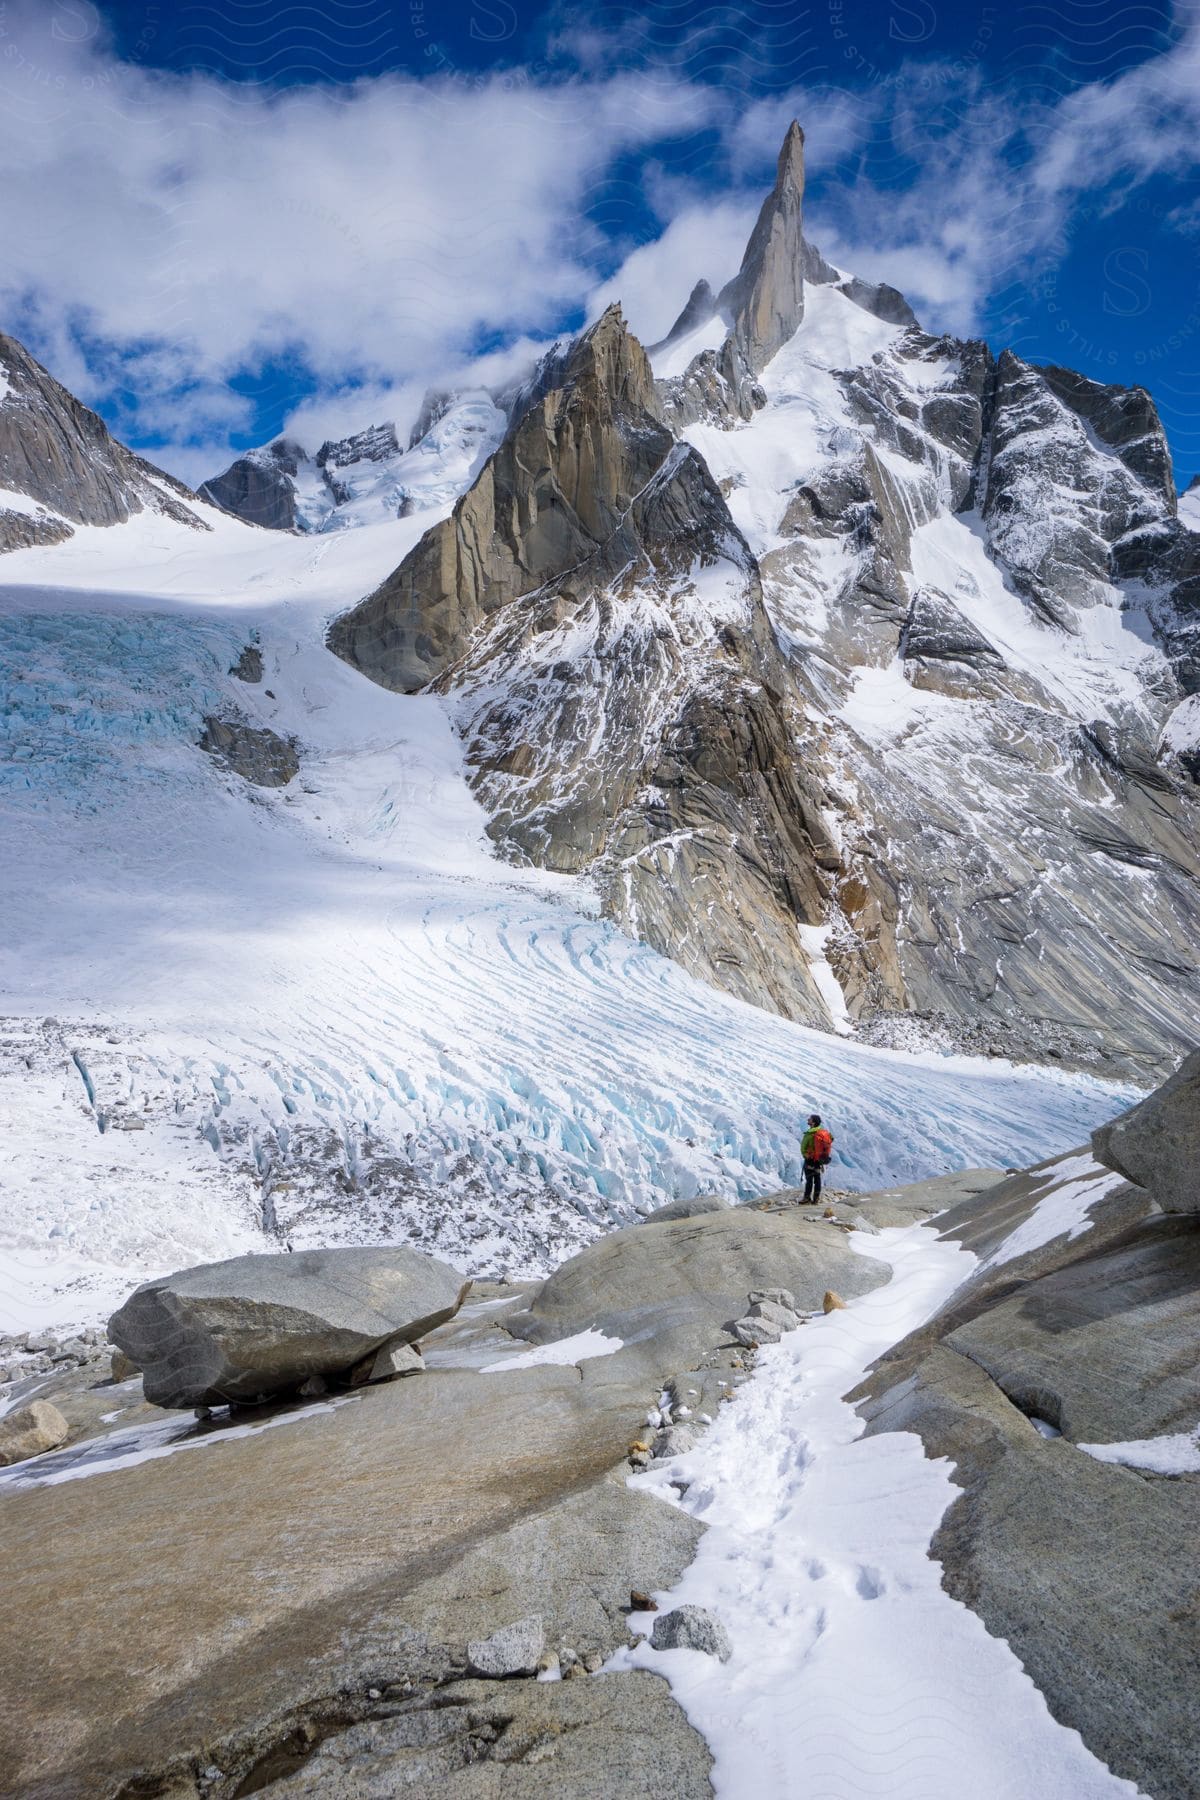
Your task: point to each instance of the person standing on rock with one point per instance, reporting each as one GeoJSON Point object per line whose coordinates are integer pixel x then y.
{"type": "Point", "coordinates": [816, 1147]}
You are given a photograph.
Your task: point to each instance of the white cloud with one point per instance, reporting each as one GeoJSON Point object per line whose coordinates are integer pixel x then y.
{"type": "Point", "coordinates": [368, 232]}
{"type": "Point", "coordinates": [704, 241]}
{"type": "Point", "coordinates": [163, 234]}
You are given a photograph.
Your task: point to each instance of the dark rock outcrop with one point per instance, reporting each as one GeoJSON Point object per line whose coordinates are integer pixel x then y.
{"type": "Point", "coordinates": [259, 1325]}
{"type": "Point", "coordinates": [255, 752]}
{"type": "Point", "coordinates": [61, 455]}
{"type": "Point", "coordinates": [259, 487]}
{"type": "Point", "coordinates": [701, 305]}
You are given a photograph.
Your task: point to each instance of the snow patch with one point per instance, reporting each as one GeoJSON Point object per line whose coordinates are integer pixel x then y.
{"type": "Point", "coordinates": [815, 938]}
{"type": "Point", "coordinates": [580, 1348]}
{"type": "Point", "coordinates": [1177, 1453]}
{"type": "Point", "coordinates": [1077, 1183]}
{"type": "Point", "coordinates": [670, 360]}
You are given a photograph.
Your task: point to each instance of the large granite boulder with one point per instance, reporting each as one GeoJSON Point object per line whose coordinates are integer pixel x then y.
{"type": "Point", "coordinates": [1157, 1143]}
{"type": "Point", "coordinates": [31, 1431]}
{"type": "Point", "coordinates": [258, 1325]}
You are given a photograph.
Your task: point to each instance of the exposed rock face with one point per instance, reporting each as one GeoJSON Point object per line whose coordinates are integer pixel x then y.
{"type": "Point", "coordinates": [701, 306]}
{"type": "Point", "coordinates": [525, 1740]}
{"type": "Point", "coordinates": [1042, 457]}
{"type": "Point", "coordinates": [765, 299]}
{"type": "Point", "coordinates": [260, 1324]}
{"type": "Point", "coordinates": [893, 641]}
{"type": "Point", "coordinates": [1157, 1144]}
{"type": "Point", "coordinates": [256, 487]}
{"type": "Point", "coordinates": [628, 715]}
{"type": "Point", "coordinates": [60, 455]}
{"type": "Point", "coordinates": [254, 752]}
{"type": "Point", "coordinates": [550, 498]}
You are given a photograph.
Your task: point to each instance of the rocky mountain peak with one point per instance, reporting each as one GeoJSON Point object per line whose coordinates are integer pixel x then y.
{"type": "Point", "coordinates": [701, 305]}
{"type": "Point", "coordinates": [609, 371]}
{"type": "Point", "coordinates": [765, 299]}
{"type": "Point", "coordinates": [60, 465]}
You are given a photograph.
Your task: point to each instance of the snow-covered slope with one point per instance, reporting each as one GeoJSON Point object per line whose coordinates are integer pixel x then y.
{"type": "Point", "coordinates": [237, 1015]}
{"type": "Point", "coordinates": [366, 478]}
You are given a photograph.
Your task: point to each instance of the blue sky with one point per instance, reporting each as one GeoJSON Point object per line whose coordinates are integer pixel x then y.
{"type": "Point", "coordinates": [223, 219]}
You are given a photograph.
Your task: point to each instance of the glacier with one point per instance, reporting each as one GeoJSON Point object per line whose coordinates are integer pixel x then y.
{"type": "Point", "coordinates": [235, 1018]}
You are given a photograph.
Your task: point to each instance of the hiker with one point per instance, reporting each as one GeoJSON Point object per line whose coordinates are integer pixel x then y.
{"type": "Point", "coordinates": [816, 1147]}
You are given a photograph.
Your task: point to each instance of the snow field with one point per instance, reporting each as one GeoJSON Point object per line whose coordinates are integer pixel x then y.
{"type": "Point", "coordinates": [853, 1674]}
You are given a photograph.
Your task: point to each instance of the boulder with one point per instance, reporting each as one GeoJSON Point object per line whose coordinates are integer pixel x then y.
{"type": "Point", "coordinates": [692, 1628]}
{"type": "Point", "coordinates": [1157, 1143]}
{"type": "Point", "coordinates": [123, 1367]}
{"type": "Point", "coordinates": [784, 1316]}
{"type": "Point", "coordinates": [755, 1332]}
{"type": "Point", "coordinates": [513, 1650]}
{"type": "Point", "coordinates": [31, 1431]}
{"type": "Point", "coordinates": [777, 1297]}
{"type": "Point", "coordinates": [259, 1325]}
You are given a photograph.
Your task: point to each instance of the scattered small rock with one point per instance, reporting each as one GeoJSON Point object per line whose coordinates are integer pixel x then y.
{"type": "Point", "coordinates": [123, 1368]}
{"type": "Point", "coordinates": [692, 1628]}
{"type": "Point", "coordinates": [639, 1602]}
{"type": "Point", "coordinates": [676, 1440]}
{"type": "Point", "coordinates": [513, 1650]}
{"type": "Point", "coordinates": [31, 1431]}
{"type": "Point", "coordinates": [832, 1302]}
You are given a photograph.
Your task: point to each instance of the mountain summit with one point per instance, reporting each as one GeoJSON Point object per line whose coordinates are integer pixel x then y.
{"type": "Point", "coordinates": [765, 300]}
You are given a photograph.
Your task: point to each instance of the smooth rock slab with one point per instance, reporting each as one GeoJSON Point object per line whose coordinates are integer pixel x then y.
{"type": "Point", "coordinates": [610, 1738]}
{"type": "Point", "coordinates": [513, 1650]}
{"type": "Point", "coordinates": [258, 1325]}
{"type": "Point", "coordinates": [692, 1628]}
{"type": "Point", "coordinates": [31, 1431]}
{"type": "Point", "coordinates": [1157, 1143]}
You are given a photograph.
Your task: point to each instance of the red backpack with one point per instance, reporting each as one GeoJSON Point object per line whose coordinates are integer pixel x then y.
{"type": "Point", "coordinates": [822, 1145]}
